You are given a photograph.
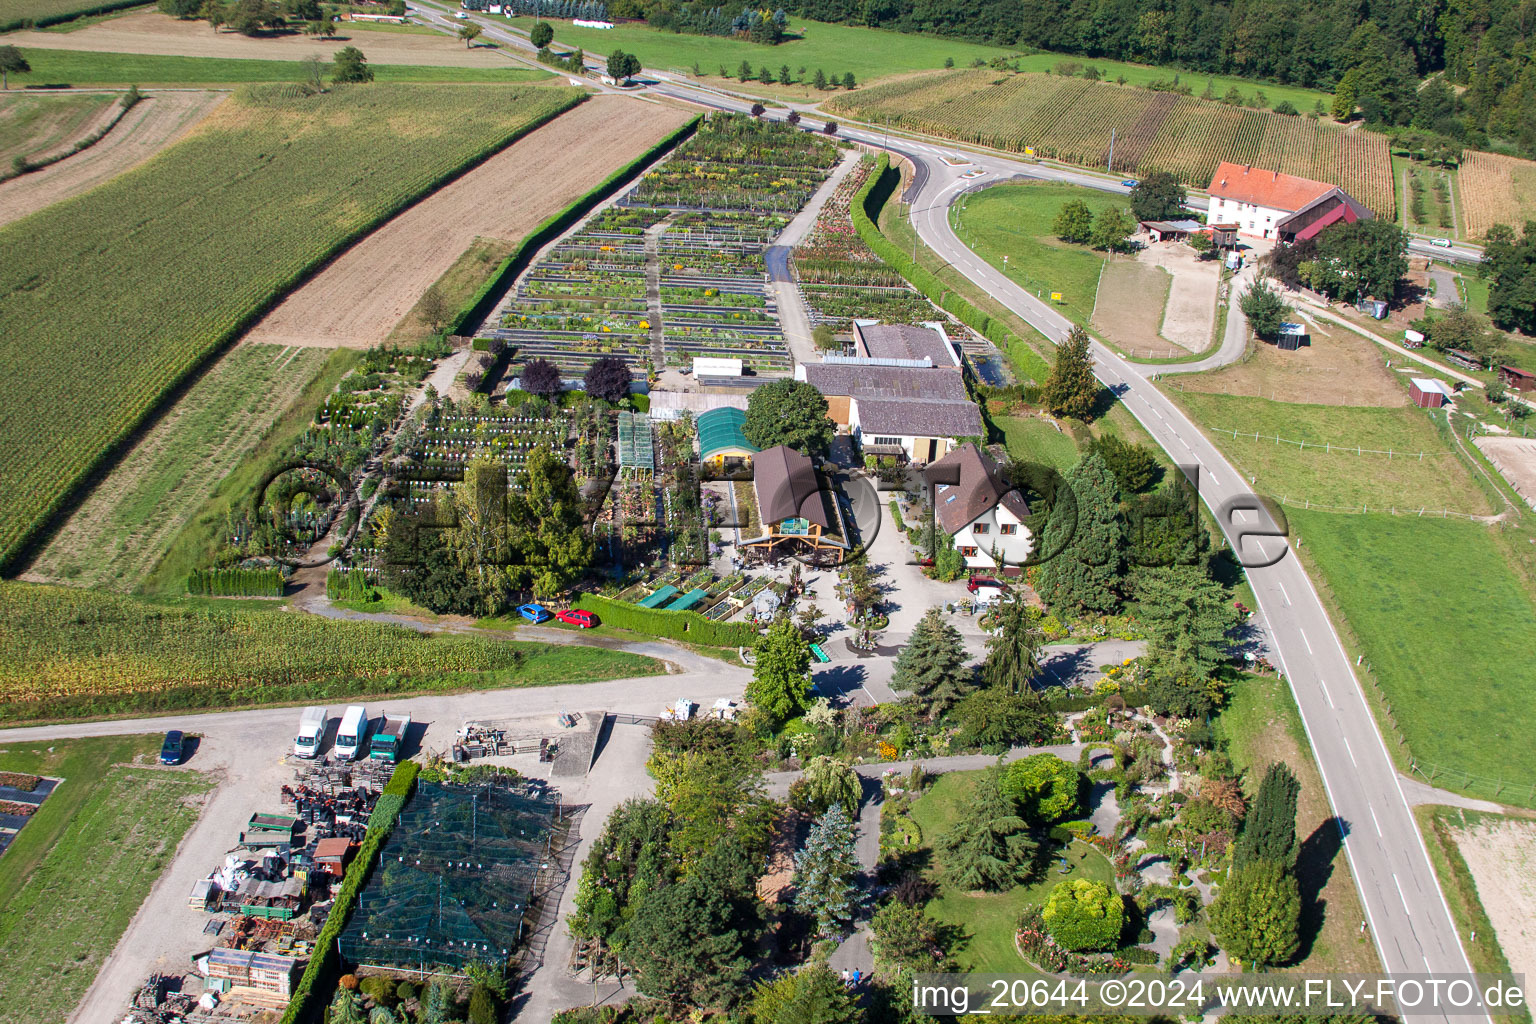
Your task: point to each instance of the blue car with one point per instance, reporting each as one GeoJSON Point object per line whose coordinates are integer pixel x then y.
{"type": "Point", "coordinates": [171, 749]}
{"type": "Point", "coordinates": [1129, 183]}
{"type": "Point", "coordinates": [534, 613]}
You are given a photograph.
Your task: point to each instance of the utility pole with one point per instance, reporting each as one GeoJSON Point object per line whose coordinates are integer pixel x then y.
{"type": "Point", "coordinates": [1111, 165]}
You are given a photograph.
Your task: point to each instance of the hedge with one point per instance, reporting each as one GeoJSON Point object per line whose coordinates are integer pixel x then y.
{"type": "Point", "coordinates": [690, 626]}
{"type": "Point", "coordinates": [484, 301]}
{"type": "Point", "coordinates": [865, 211]}
{"type": "Point", "coordinates": [236, 582]}
{"type": "Point", "coordinates": [313, 992]}
{"type": "Point", "coordinates": [348, 585]}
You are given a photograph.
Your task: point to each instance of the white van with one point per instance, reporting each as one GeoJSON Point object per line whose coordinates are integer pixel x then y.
{"type": "Point", "coordinates": [311, 732]}
{"type": "Point", "coordinates": [352, 735]}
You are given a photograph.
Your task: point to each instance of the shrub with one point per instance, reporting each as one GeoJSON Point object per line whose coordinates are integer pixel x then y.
{"type": "Point", "coordinates": [348, 981]}
{"type": "Point", "coordinates": [1083, 915]}
{"type": "Point", "coordinates": [1047, 788]}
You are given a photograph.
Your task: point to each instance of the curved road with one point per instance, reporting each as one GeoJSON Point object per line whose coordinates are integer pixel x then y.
{"type": "Point", "coordinates": [1406, 911]}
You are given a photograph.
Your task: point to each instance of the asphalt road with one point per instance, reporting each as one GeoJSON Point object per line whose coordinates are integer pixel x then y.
{"type": "Point", "coordinates": [1406, 912]}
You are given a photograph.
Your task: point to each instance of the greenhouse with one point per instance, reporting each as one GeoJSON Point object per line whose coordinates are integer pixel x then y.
{"type": "Point", "coordinates": [455, 878]}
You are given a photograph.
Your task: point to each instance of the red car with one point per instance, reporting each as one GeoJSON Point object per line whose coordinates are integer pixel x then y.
{"type": "Point", "coordinates": [573, 617]}
{"type": "Point", "coordinates": [977, 582]}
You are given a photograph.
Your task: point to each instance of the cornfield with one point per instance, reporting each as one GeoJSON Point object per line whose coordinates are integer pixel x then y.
{"type": "Point", "coordinates": [109, 299]}
{"type": "Point", "coordinates": [1073, 120]}
{"type": "Point", "coordinates": [1496, 190]}
{"type": "Point", "coordinates": [60, 644]}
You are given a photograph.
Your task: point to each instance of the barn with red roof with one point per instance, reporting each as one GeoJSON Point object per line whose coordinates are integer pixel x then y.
{"type": "Point", "coordinates": [1268, 204]}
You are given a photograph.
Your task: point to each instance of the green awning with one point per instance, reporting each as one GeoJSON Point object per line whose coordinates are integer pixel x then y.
{"type": "Point", "coordinates": [656, 599]}
{"type": "Point", "coordinates": [688, 600]}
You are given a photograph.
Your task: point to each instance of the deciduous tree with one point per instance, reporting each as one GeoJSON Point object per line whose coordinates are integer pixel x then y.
{"type": "Point", "coordinates": [433, 308]}
{"type": "Point", "coordinates": [1074, 222]}
{"type": "Point", "coordinates": [608, 378]}
{"type": "Point", "coordinates": [541, 377]}
{"type": "Point", "coordinates": [1158, 196]}
{"type": "Point", "coordinates": [541, 35]}
{"type": "Point", "coordinates": [781, 674]}
{"type": "Point", "coordinates": [469, 33]}
{"type": "Point", "coordinates": [826, 781]}
{"type": "Point", "coordinates": [996, 718]}
{"type": "Point", "coordinates": [350, 66]}
{"type": "Point", "coordinates": [1045, 788]}
{"type": "Point", "coordinates": [1111, 228]}
{"type": "Point", "coordinates": [789, 412]}
{"type": "Point", "coordinates": [12, 62]}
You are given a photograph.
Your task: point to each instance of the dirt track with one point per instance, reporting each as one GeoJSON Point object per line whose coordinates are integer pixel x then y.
{"type": "Point", "coordinates": [153, 32]}
{"type": "Point", "coordinates": [155, 122]}
{"type": "Point", "coordinates": [357, 300]}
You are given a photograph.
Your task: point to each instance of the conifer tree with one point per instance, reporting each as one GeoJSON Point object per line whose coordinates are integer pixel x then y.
{"type": "Point", "coordinates": [1071, 389]}
{"type": "Point", "coordinates": [824, 872]}
{"type": "Point", "coordinates": [933, 664]}
{"type": "Point", "coordinates": [1083, 552]}
{"type": "Point", "coordinates": [1011, 662]}
{"type": "Point", "coordinates": [1257, 915]}
{"type": "Point", "coordinates": [990, 848]}
{"type": "Point", "coordinates": [1269, 831]}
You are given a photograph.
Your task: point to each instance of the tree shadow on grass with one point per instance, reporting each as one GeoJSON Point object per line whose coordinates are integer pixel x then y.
{"type": "Point", "coordinates": [1314, 867]}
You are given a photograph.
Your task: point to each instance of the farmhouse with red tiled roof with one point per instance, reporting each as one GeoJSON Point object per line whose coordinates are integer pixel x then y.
{"type": "Point", "coordinates": [1267, 204]}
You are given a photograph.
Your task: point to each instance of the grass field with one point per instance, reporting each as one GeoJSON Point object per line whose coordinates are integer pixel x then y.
{"type": "Point", "coordinates": [1443, 617]}
{"type": "Point", "coordinates": [31, 124]}
{"type": "Point", "coordinates": [196, 541]}
{"type": "Point", "coordinates": [83, 67]}
{"type": "Point", "coordinates": [1077, 121]}
{"type": "Point", "coordinates": [1337, 367]}
{"type": "Point", "coordinates": [1145, 74]}
{"type": "Point", "coordinates": [1016, 221]}
{"type": "Point", "coordinates": [198, 266]}
{"type": "Point", "coordinates": [1031, 439]}
{"type": "Point", "coordinates": [990, 919]}
{"type": "Point", "coordinates": [78, 872]}
{"type": "Point", "coordinates": [1339, 477]}
{"type": "Point", "coordinates": [836, 49]}
{"type": "Point", "coordinates": [1261, 725]}
{"type": "Point", "coordinates": [67, 653]}
{"type": "Point", "coordinates": [126, 524]}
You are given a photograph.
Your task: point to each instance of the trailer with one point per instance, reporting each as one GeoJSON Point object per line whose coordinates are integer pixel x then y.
{"type": "Point", "coordinates": [390, 737]}
{"type": "Point", "coordinates": [265, 831]}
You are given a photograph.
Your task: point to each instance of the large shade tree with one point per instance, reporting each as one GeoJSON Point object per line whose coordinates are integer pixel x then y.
{"type": "Point", "coordinates": [789, 412]}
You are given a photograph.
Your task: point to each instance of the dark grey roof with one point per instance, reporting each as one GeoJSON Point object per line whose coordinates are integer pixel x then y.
{"type": "Point", "coordinates": [935, 383]}
{"type": "Point", "coordinates": [918, 417]}
{"type": "Point", "coordinates": [966, 485]}
{"type": "Point", "coordinates": [786, 486]}
{"type": "Point", "coordinates": [902, 341]}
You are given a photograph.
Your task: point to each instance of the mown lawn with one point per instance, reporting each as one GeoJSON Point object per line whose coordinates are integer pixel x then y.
{"type": "Point", "coordinates": [1339, 477]}
{"type": "Point", "coordinates": [1016, 221]}
{"type": "Point", "coordinates": [836, 49]}
{"type": "Point", "coordinates": [80, 67]}
{"type": "Point", "coordinates": [1446, 626]}
{"type": "Point", "coordinates": [1032, 439]}
{"type": "Point", "coordinates": [78, 871]}
{"type": "Point", "coordinates": [990, 919]}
